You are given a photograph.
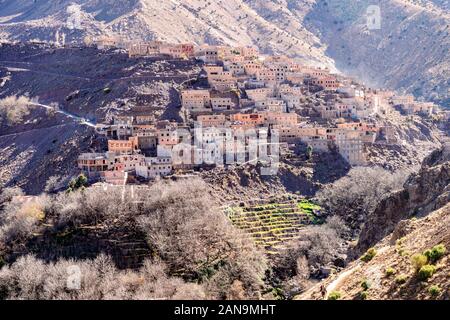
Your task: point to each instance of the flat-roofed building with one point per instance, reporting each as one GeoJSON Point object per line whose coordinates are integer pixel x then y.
{"type": "Point", "coordinates": [94, 163]}
{"type": "Point", "coordinates": [196, 100]}
{"type": "Point", "coordinates": [217, 120]}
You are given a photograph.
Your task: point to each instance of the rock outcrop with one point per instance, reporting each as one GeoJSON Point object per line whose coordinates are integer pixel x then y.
{"type": "Point", "coordinates": [424, 192]}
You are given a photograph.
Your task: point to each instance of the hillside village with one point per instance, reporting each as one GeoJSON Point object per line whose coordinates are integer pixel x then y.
{"type": "Point", "coordinates": [246, 107]}
{"type": "Point", "coordinates": [224, 150]}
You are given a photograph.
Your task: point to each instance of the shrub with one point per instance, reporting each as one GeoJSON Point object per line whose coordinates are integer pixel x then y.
{"type": "Point", "coordinates": [13, 109]}
{"type": "Point", "coordinates": [19, 220]}
{"type": "Point", "coordinates": [32, 279]}
{"type": "Point", "coordinates": [418, 261]}
{"type": "Point", "coordinates": [318, 244]}
{"type": "Point", "coordinates": [400, 241]}
{"type": "Point", "coordinates": [435, 253]}
{"type": "Point", "coordinates": [390, 271]}
{"type": "Point", "coordinates": [363, 295]}
{"type": "Point", "coordinates": [426, 272]}
{"type": "Point", "coordinates": [369, 255]}
{"type": "Point", "coordinates": [197, 241]}
{"type": "Point", "coordinates": [434, 291]}
{"type": "Point", "coordinates": [401, 279]}
{"type": "Point", "coordinates": [9, 193]}
{"type": "Point", "coordinates": [365, 285]}
{"type": "Point", "coordinates": [79, 183]}
{"type": "Point", "coordinates": [335, 295]}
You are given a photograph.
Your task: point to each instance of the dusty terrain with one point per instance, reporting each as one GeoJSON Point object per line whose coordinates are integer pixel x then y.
{"type": "Point", "coordinates": [405, 223]}
{"type": "Point", "coordinates": [417, 236]}
{"type": "Point", "coordinates": [74, 79]}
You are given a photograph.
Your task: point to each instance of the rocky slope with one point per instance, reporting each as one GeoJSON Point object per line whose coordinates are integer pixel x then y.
{"type": "Point", "coordinates": [423, 193]}
{"type": "Point", "coordinates": [406, 223]}
{"type": "Point", "coordinates": [45, 145]}
{"type": "Point", "coordinates": [217, 22]}
{"type": "Point", "coordinates": [76, 79]}
{"type": "Point", "coordinates": [410, 52]}
{"type": "Point", "coordinates": [390, 275]}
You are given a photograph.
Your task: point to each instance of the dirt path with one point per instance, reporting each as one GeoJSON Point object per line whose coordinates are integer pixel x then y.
{"type": "Point", "coordinates": [339, 280]}
{"type": "Point", "coordinates": [336, 283]}
{"type": "Point", "coordinates": [80, 120]}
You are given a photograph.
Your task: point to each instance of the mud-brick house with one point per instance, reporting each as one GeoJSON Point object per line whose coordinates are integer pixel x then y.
{"type": "Point", "coordinates": [328, 83]}
{"type": "Point", "coordinates": [139, 49]}
{"type": "Point", "coordinates": [252, 119]}
{"type": "Point", "coordinates": [129, 146]}
{"type": "Point", "coordinates": [267, 76]}
{"type": "Point", "coordinates": [117, 178]}
{"type": "Point", "coordinates": [280, 69]}
{"type": "Point", "coordinates": [216, 120]}
{"type": "Point", "coordinates": [252, 67]}
{"type": "Point", "coordinates": [196, 100]}
{"type": "Point", "coordinates": [259, 94]}
{"type": "Point", "coordinates": [92, 164]}
{"type": "Point", "coordinates": [177, 51]}
{"type": "Point", "coordinates": [359, 126]}
{"type": "Point", "coordinates": [350, 146]}
{"type": "Point", "coordinates": [171, 134]}
{"type": "Point", "coordinates": [398, 100]}
{"type": "Point", "coordinates": [293, 101]}
{"type": "Point", "coordinates": [151, 168]}
{"type": "Point", "coordinates": [280, 118]}
{"type": "Point", "coordinates": [271, 105]}
{"type": "Point", "coordinates": [219, 79]}
{"type": "Point", "coordinates": [422, 108]}
{"type": "Point", "coordinates": [209, 54]}
{"type": "Point", "coordinates": [236, 68]}
{"type": "Point", "coordinates": [314, 72]}
{"type": "Point", "coordinates": [144, 119]}
{"type": "Point", "coordinates": [224, 101]}
{"type": "Point", "coordinates": [127, 162]}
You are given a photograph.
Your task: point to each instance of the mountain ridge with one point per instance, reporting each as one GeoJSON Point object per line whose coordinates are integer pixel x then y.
{"type": "Point", "coordinates": [328, 33]}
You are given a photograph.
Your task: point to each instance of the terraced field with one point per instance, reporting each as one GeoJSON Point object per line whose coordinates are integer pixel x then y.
{"type": "Point", "coordinates": [273, 225]}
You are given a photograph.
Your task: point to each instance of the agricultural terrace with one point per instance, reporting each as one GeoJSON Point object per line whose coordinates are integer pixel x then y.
{"type": "Point", "coordinates": [272, 225]}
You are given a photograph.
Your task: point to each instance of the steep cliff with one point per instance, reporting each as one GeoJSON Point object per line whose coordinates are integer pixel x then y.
{"type": "Point", "coordinates": [424, 192]}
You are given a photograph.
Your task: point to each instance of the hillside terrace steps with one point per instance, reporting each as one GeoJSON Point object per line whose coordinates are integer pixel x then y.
{"type": "Point", "coordinates": [272, 224]}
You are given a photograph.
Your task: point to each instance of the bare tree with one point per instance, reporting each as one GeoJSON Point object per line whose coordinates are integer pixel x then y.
{"type": "Point", "coordinates": [357, 194]}
{"type": "Point", "coordinates": [32, 279]}
{"type": "Point", "coordinates": [13, 109]}
{"type": "Point", "coordinates": [196, 238]}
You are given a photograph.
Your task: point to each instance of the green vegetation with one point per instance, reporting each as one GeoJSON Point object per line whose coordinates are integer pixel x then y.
{"type": "Point", "coordinates": [309, 152]}
{"type": "Point", "coordinates": [424, 263]}
{"type": "Point", "coordinates": [435, 253]}
{"type": "Point", "coordinates": [365, 284]}
{"type": "Point", "coordinates": [272, 225]}
{"type": "Point", "coordinates": [418, 261]}
{"type": "Point", "coordinates": [426, 272]}
{"type": "Point", "coordinates": [434, 291]}
{"type": "Point", "coordinates": [335, 295]}
{"type": "Point", "coordinates": [79, 183]}
{"type": "Point", "coordinates": [363, 295]}
{"type": "Point", "coordinates": [369, 255]}
{"type": "Point", "coordinates": [390, 271]}
{"type": "Point", "coordinates": [401, 279]}
{"type": "Point", "coordinates": [400, 241]}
